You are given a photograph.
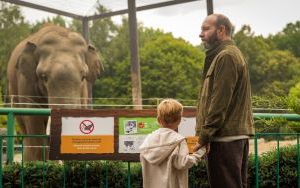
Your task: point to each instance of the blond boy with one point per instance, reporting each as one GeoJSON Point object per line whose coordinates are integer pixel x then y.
{"type": "Point", "coordinates": [164, 153]}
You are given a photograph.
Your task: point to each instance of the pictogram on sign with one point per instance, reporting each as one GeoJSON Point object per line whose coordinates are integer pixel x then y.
{"type": "Point", "coordinates": [86, 126]}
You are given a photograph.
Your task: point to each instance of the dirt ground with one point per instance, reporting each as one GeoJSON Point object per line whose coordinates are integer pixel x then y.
{"type": "Point", "coordinates": [265, 146]}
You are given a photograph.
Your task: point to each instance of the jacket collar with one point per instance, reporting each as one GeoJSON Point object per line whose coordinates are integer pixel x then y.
{"type": "Point", "coordinates": [212, 52]}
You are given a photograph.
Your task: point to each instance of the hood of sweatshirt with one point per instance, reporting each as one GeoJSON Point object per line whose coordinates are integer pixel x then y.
{"type": "Point", "coordinates": [159, 145]}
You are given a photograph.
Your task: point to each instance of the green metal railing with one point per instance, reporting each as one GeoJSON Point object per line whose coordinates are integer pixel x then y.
{"type": "Point", "coordinates": [66, 169]}
{"type": "Point", "coordinates": [11, 112]}
{"type": "Point", "coordinates": [256, 156]}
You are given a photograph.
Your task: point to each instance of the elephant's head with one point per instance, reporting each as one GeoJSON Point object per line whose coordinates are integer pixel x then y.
{"type": "Point", "coordinates": [62, 67]}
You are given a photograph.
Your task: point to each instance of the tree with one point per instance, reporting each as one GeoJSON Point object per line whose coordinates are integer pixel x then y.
{"type": "Point", "coordinates": [57, 20]}
{"type": "Point", "coordinates": [3, 119]}
{"type": "Point", "coordinates": [282, 72]}
{"type": "Point", "coordinates": [272, 71]}
{"type": "Point", "coordinates": [13, 29]}
{"type": "Point", "coordinates": [169, 67]}
{"type": "Point", "coordinates": [289, 38]}
{"type": "Point", "coordinates": [255, 49]}
{"type": "Point", "coordinates": [294, 98]}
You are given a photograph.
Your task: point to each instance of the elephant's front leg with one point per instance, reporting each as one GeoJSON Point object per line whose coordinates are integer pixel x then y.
{"type": "Point", "coordinates": [35, 147]}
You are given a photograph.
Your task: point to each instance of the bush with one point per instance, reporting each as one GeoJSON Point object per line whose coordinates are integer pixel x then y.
{"type": "Point", "coordinates": [294, 98]}
{"type": "Point", "coordinates": [93, 173]}
{"type": "Point", "coordinates": [276, 125]}
{"type": "Point", "coordinates": [268, 168]}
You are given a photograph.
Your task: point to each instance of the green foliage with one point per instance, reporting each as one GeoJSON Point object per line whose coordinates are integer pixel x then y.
{"type": "Point", "coordinates": [294, 98]}
{"type": "Point", "coordinates": [264, 103]}
{"type": "Point", "coordinates": [275, 104]}
{"type": "Point", "coordinates": [268, 168]}
{"type": "Point", "coordinates": [276, 125]}
{"type": "Point", "coordinates": [289, 38]}
{"type": "Point", "coordinates": [12, 30]}
{"type": "Point", "coordinates": [3, 118]}
{"type": "Point", "coordinates": [93, 173]}
{"type": "Point", "coordinates": [274, 62]}
{"type": "Point", "coordinates": [71, 174]}
{"type": "Point", "coordinates": [272, 71]}
{"type": "Point", "coordinates": [58, 20]}
{"type": "Point", "coordinates": [35, 174]}
{"type": "Point", "coordinates": [161, 57]}
{"type": "Point", "coordinates": [166, 58]}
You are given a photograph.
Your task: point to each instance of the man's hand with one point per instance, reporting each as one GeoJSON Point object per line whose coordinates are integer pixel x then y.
{"type": "Point", "coordinates": [198, 146]}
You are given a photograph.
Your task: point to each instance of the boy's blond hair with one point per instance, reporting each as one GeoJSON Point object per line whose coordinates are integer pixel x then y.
{"type": "Point", "coordinates": [169, 111]}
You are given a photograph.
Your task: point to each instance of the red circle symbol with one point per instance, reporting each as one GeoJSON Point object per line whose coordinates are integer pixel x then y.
{"type": "Point", "coordinates": [86, 126]}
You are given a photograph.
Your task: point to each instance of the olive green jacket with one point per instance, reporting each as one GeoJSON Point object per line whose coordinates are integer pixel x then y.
{"type": "Point", "coordinates": [224, 104]}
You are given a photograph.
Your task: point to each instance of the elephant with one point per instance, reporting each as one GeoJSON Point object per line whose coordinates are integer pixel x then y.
{"type": "Point", "coordinates": [52, 68]}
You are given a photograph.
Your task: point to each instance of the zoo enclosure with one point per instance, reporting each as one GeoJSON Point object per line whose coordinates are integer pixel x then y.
{"type": "Point", "coordinates": [131, 10]}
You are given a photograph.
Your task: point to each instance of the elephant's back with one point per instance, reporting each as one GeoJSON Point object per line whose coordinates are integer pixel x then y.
{"type": "Point", "coordinates": [33, 38]}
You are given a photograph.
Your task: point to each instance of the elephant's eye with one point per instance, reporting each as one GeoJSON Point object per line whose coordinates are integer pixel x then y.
{"type": "Point", "coordinates": [44, 77]}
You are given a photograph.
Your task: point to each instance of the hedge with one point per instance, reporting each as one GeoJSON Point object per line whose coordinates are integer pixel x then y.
{"type": "Point", "coordinates": [92, 173]}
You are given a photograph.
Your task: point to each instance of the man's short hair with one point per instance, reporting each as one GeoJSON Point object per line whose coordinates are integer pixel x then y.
{"type": "Point", "coordinates": [170, 111]}
{"type": "Point", "coordinates": [223, 20]}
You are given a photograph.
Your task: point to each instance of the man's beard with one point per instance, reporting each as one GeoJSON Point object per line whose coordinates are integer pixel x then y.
{"type": "Point", "coordinates": [211, 41]}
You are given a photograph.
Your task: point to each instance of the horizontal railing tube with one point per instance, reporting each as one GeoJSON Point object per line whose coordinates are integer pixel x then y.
{"type": "Point", "coordinates": [290, 117]}
{"type": "Point", "coordinates": [11, 112]}
{"type": "Point", "coordinates": [26, 111]}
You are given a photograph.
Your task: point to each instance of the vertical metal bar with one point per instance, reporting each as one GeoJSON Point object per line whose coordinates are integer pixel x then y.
{"type": "Point", "coordinates": [209, 7]}
{"type": "Point", "coordinates": [44, 161]}
{"type": "Point", "coordinates": [86, 36]}
{"type": "Point", "coordinates": [85, 29]}
{"type": "Point", "coordinates": [106, 175]}
{"type": "Point", "coordinates": [22, 168]}
{"type": "Point", "coordinates": [298, 161]}
{"type": "Point", "coordinates": [1, 153]}
{"type": "Point", "coordinates": [128, 175]}
{"type": "Point", "coordinates": [278, 162]}
{"type": "Point", "coordinates": [64, 175]}
{"type": "Point", "coordinates": [10, 138]}
{"type": "Point", "coordinates": [134, 56]}
{"type": "Point", "coordinates": [85, 169]}
{"type": "Point", "coordinates": [256, 161]}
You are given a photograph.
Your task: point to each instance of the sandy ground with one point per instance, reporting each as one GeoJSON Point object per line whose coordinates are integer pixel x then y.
{"type": "Point", "coordinates": [265, 146]}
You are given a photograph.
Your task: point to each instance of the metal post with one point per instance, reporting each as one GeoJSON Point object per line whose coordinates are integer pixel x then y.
{"type": "Point", "coordinates": [1, 169]}
{"type": "Point", "coordinates": [298, 161]}
{"type": "Point", "coordinates": [85, 33]}
{"type": "Point", "coordinates": [256, 160]}
{"type": "Point", "coordinates": [10, 138]}
{"type": "Point", "coordinates": [134, 54]}
{"type": "Point", "coordinates": [128, 175]}
{"type": "Point", "coordinates": [278, 163]}
{"type": "Point", "coordinates": [85, 29]}
{"type": "Point", "coordinates": [210, 7]}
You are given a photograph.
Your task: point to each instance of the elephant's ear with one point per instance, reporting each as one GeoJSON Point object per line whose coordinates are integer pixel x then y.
{"type": "Point", "coordinates": [94, 64]}
{"type": "Point", "coordinates": [27, 62]}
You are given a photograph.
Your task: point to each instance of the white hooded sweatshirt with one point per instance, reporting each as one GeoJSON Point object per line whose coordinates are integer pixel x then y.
{"type": "Point", "coordinates": [165, 160]}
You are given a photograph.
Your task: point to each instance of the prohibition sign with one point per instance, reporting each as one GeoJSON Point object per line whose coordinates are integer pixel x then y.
{"type": "Point", "coordinates": [86, 126]}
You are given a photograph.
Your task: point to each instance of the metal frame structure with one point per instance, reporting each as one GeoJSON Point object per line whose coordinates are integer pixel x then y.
{"type": "Point", "coordinates": [133, 34]}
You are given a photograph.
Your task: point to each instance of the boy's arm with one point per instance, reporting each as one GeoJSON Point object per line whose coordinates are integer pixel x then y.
{"type": "Point", "coordinates": [182, 159]}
